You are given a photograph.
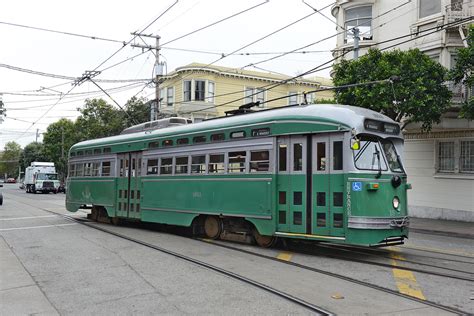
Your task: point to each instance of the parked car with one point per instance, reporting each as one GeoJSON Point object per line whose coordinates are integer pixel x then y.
{"type": "Point", "coordinates": [10, 180]}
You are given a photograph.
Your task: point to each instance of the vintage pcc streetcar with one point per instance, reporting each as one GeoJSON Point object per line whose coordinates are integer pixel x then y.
{"type": "Point", "coordinates": [328, 173]}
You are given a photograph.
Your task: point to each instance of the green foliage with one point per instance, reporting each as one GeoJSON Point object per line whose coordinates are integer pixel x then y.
{"type": "Point", "coordinates": [419, 96]}
{"type": "Point", "coordinates": [57, 140]}
{"type": "Point", "coordinates": [10, 159]}
{"type": "Point", "coordinates": [325, 101]}
{"type": "Point", "coordinates": [98, 119]}
{"type": "Point", "coordinates": [32, 152]}
{"type": "Point", "coordinates": [462, 72]}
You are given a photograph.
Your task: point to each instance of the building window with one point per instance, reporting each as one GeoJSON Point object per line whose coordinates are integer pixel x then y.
{"type": "Point", "coordinates": [360, 17]}
{"type": "Point", "coordinates": [170, 96]}
{"type": "Point", "coordinates": [199, 90]}
{"type": "Point", "coordinates": [187, 90]}
{"type": "Point", "coordinates": [446, 156]}
{"type": "Point", "coordinates": [293, 98]}
{"type": "Point", "coordinates": [254, 95]}
{"type": "Point", "coordinates": [162, 96]}
{"type": "Point", "coordinates": [211, 91]}
{"type": "Point", "coordinates": [466, 159]}
{"type": "Point", "coordinates": [248, 95]}
{"type": "Point", "coordinates": [455, 156]}
{"type": "Point", "coordinates": [429, 7]}
{"type": "Point", "coordinates": [260, 97]}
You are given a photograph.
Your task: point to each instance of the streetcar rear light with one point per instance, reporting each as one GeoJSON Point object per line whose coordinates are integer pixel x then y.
{"type": "Point", "coordinates": [396, 202]}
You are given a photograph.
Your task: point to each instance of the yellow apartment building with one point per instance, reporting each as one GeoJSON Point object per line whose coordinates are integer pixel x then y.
{"type": "Point", "coordinates": [199, 91]}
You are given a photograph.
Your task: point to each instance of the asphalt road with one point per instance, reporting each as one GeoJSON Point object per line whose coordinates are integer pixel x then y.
{"type": "Point", "coordinates": [53, 266]}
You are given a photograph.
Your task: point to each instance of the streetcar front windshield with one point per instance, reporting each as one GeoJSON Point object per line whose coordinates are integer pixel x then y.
{"type": "Point", "coordinates": [47, 176]}
{"type": "Point", "coordinates": [369, 156]}
{"type": "Point", "coordinates": [392, 156]}
{"type": "Point", "coordinates": [377, 154]}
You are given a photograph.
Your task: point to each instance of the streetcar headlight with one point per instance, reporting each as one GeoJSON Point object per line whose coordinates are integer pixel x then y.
{"type": "Point", "coordinates": [396, 202]}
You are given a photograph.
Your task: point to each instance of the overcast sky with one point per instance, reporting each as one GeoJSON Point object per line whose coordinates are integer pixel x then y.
{"type": "Point", "coordinates": [70, 56]}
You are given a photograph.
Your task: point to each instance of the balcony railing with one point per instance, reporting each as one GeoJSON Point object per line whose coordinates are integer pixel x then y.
{"type": "Point", "coordinates": [457, 10]}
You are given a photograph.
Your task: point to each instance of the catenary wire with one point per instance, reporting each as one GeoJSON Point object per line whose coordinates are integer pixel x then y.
{"type": "Point", "coordinates": [317, 68]}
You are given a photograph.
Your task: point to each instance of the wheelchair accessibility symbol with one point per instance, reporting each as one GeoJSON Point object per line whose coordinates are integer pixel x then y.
{"type": "Point", "coordinates": [356, 186]}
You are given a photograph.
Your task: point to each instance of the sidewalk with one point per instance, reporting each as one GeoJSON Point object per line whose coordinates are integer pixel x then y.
{"type": "Point", "coordinates": [442, 227]}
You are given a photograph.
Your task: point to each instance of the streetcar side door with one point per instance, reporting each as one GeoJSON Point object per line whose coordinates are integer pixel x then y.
{"type": "Point", "coordinates": [291, 184]}
{"type": "Point", "coordinates": [328, 184]}
{"type": "Point", "coordinates": [128, 184]}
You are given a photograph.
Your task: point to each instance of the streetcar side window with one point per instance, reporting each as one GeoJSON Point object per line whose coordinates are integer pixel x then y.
{"type": "Point", "coordinates": [166, 166]}
{"type": "Point", "coordinates": [87, 169]}
{"type": "Point", "coordinates": [182, 141]}
{"type": "Point", "coordinates": [282, 154]}
{"type": "Point", "coordinates": [97, 151]}
{"type": "Point", "coordinates": [95, 169]}
{"type": "Point", "coordinates": [152, 166]}
{"type": "Point", "coordinates": [237, 161]}
{"type": "Point", "coordinates": [79, 169]}
{"type": "Point", "coordinates": [181, 165]}
{"type": "Point", "coordinates": [198, 164]}
{"type": "Point", "coordinates": [337, 155]}
{"type": "Point", "coordinates": [199, 139]}
{"type": "Point", "coordinates": [321, 156]}
{"type": "Point", "coordinates": [297, 157]}
{"type": "Point", "coordinates": [72, 170]}
{"type": "Point", "coordinates": [216, 163]}
{"type": "Point", "coordinates": [259, 161]}
{"type": "Point", "coordinates": [217, 137]}
{"type": "Point", "coordinates": [106, 168]}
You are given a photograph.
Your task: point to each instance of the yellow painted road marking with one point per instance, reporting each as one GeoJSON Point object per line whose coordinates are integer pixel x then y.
{"type": "Point", "coordinates": [285, 256]}
{"type": "Point", "coordinates": [405, 280]}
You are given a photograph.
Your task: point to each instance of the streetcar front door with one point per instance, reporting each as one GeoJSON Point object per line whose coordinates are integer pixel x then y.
{"type": "Point", "coordinates": [292, 184]}
{"type": "Point", "coordinates": [328, 184]}
{"type": "Point", "coordinates": [128, 187]}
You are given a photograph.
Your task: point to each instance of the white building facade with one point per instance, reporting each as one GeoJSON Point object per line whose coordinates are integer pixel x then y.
{"type": "Point", "coordinates": [439, 164]}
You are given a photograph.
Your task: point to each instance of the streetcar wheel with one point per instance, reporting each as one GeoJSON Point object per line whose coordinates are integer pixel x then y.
{"type": "Point", "coordinates": [116, 221]}
{"type": "Point", "coordinates": [213, 227]}
{"type": "Point", "coordinates": [263, 240]}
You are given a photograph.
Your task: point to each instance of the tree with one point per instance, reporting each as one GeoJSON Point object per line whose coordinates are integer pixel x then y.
{"type": "Point", "coordinates": [99, 119]}
{"type": "Point", "coordinates": [462, 72]}
{"type": "Point", "coordinates": [57, 140]}
{"type": "Point", "coordinates": [10, 159]}
{"type": "Point", "coordinates": [419, 97]}
{"type": "Point", "coordinates": [32, 152]}
{"type": "Point", "coordinates": [135, 109]}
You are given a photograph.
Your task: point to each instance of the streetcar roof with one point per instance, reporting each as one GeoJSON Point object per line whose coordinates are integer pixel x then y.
{"type": "Point", "coordinates": [345, 116]}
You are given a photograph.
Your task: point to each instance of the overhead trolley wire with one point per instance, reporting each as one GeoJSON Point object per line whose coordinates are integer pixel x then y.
{"type": "Point", "coordinates": [214, 23]}
{"type": "Point", "coordinates": [318, 68]}
{"type": "Point", "coordinates": [323, 39]}
{"type": "Point", "coordinates": [62, 32]}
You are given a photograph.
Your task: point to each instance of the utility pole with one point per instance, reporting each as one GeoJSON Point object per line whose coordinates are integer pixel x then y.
{"type": "Point", "coordinates": [356, 33]}
{"type": "Point", "coordinates": [2, 109]}
{"type": "Point", "coordinates": [155, 106]}
{"type": "Point", "coordinates": [37, 135]}
{"type": "Point", "coordinates": [62, 143]}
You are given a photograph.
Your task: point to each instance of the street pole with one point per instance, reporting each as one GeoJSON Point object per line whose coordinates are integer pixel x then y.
{"type": "Point", "coordinates": [154, 107]}
{"type": "Point", "coordinates": [356, 33]}
{"type": "Point", "coordinates": [37, 135]}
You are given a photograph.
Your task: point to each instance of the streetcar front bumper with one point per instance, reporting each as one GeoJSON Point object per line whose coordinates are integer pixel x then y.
{"type": "Point", "coordinates": [364, 222]}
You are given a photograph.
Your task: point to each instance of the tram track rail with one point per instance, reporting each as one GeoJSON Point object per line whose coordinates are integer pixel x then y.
{"type": "Point", "coordinates": [392, 266]}
{"type": "Point", "coordinates": [309, 306]}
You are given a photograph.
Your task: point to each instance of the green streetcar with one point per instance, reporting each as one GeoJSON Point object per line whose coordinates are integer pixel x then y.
{"type": "Point", "coordinates": [328, 173]}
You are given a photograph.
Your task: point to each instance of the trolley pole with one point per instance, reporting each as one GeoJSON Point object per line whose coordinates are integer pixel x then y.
{"type": "Point", "coordinates": [154, 106]}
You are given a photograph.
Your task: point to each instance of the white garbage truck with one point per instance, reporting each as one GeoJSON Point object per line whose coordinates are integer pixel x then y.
{"type": "Point", "coordinates": [41, 177]}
